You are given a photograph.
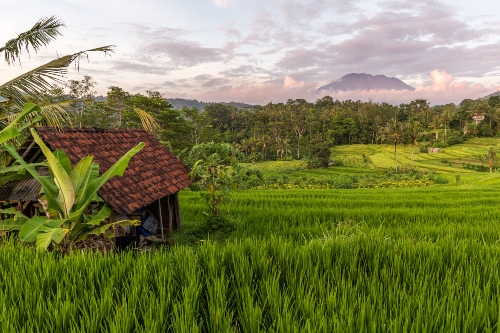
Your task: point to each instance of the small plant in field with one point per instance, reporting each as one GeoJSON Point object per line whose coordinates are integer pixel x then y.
{"type": "Point", "coordinates": [217, 166]}
{"type": "Point", "coordinates": [490, 157]}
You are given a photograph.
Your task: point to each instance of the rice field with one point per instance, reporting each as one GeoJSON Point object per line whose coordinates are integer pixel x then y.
{"type": "Point", "coordinates": [382, 156]}
{"type": "Point", "coordinates": [368, 260]}
{"type": "Point", "coordinates": [428, 213]}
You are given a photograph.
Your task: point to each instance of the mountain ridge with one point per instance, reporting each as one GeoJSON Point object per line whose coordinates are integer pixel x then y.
{"type": "Point", "coordinates": [362, 81]}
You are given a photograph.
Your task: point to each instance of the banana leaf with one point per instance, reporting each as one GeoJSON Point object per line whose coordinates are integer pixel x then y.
{"type": "Point", "coordinates": [44, 239]}
{"type": "Point", "coordinates": [11, 131]}
{"type": "Point", "coordinates": [116, 169]}
{"type": "Point", "coordinates": [12, 224]}
{"type": "Point", "coordinates": [66, 195]}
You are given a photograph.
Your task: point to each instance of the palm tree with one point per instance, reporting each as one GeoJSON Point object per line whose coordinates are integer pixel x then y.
{"type": "Point", "coordinates": [448, 112]}
{"type": "Point", "coordinates": [435, 125]}
{"type": "Point", "coordinates": [35, 82]}
{"type": "Point", "coordinates": [414, 127]}
{"type": "Point", "coordinates": [245, 146]}
{"type": "Point", "coordinates": [263, 141]}
{"type": "Point", "coordinates": [491, 157]}
{"type": "Point", "coordinates": [394, 135]}
{"type": "Point", "coordinates": [282, 146]}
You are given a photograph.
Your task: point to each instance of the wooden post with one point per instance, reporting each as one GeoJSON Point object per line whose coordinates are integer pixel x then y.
{"type": "Point", "coordinates": [161, 219]}
{"type": "Point", "coordinates": [169, 216]}
{"type": "Point", "coordinates": [177, 210]}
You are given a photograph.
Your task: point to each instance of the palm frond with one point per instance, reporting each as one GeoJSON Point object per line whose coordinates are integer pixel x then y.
{"type": "Point", "coordinates": [41, 34]}
{"type": "Point", "coordinates": [35, 81]}
{"type": "Point", "coordinates": [54, 115]}
{"type": "Point", "coordinates": [149, 123]}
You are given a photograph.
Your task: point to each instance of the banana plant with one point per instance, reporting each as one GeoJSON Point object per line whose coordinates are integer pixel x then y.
{"type": "Point", "coordinates": [12, 131]}
{"type": "Point", "coordinates": [69, 197]}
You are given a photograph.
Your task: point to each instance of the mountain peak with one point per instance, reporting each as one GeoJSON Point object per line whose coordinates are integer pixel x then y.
{"type": "Point", "coordinates": [362, 81]}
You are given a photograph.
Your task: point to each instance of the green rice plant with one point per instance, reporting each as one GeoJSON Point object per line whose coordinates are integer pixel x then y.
{"type": "Point", "coordinates": [365, 260]}
{"type": "Point", "coordinates": [363, 282]}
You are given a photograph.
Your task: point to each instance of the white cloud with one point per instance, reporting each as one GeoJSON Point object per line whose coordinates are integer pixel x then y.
{"type": "Point", "coordinates": [223, 3]}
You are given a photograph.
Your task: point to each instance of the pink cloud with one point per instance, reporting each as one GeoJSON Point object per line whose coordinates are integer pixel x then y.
{"type": "Point", "coordinates": [443, 89]}
{"type": "Point", "coordinates": [261, 94]}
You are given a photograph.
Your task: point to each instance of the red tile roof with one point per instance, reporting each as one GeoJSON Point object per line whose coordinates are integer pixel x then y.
{"type": "Point", "coordinates": [152, 173]}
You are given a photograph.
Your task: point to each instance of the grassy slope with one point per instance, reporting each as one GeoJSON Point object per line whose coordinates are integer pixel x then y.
{"type": "Point", "coordinates": [373, 158]}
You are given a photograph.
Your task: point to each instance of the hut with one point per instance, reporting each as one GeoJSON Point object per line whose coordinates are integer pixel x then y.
{"type": "Point", "coordinates": [152, 180]}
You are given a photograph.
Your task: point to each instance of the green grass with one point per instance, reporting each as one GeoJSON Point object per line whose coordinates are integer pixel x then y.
{"type": "Point", "coordinates": [381, 260]}
{"type": "Point", "coordinates": [429, 213]}
{"type": "Point", "coordinates": [358, 260]}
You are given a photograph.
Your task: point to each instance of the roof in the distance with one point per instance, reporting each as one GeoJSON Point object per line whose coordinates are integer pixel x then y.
{"type": "Point", "coordinates": [153, 173]}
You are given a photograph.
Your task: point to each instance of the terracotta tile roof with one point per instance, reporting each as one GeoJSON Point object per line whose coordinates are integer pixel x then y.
{"type": "Point", "coordinates": [152, 173]}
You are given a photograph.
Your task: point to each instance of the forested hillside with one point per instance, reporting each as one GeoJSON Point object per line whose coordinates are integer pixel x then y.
{"type": "Point", "coordinates": [179, 103]}
{"type": "Point", "coordinates": [291, 130]}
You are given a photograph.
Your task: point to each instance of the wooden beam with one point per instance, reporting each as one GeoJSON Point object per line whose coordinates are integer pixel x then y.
{"type": "Point", "coordinates": [35, 155]}
{"type": "Point", "coordinates": [28, 149]}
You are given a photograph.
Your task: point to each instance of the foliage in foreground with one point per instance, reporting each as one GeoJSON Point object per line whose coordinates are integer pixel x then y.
{"type": "Point", "coordinates": [67, 196]}
{"type": "Point", "coordinates": [349, 282]}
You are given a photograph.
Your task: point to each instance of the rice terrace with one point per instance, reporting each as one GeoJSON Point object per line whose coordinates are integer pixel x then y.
{"type": "Point", "coordinates": [286, 202]}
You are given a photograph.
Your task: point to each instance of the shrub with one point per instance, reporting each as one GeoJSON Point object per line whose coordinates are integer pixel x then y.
{"type": "Point", "coordinates": [475, 167]}
{"type": "Point", "coordinates": [423, 149]}
{"type": "Point", "coordinates": [426, 136]}
{"type": "Point", "coordinates": [436, 178]}
{"type": "Point", "coordinates": [440, 144]}
{"type": "Point", "coordinates": [455, 138]}
{"type": "Point", "coordinates": [320, 155]}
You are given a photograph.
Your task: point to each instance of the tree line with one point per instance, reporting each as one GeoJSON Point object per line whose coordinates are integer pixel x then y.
{"type": "Point", "coordinates": [291, 130]}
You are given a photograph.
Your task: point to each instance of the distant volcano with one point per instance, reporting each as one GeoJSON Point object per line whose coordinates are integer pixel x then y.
{"type": "Point", "coordinates": [362, 81]}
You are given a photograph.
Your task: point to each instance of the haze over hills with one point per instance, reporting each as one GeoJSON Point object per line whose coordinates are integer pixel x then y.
{"type": "Point", "coordinates": [179, 103]}
{"type": "Point", "coordinates": [362, 81]}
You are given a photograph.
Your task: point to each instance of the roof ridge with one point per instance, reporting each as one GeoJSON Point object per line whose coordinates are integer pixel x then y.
{"type": "Point", "coordinates": [87, 129]}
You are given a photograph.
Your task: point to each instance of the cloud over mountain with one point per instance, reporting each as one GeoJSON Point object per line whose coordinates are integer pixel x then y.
{"type": "Point", "coordinates": [442, 89]}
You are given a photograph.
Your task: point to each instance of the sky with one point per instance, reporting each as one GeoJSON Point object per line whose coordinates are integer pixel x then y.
{"type": "Point", "coordinates": [257, 52]}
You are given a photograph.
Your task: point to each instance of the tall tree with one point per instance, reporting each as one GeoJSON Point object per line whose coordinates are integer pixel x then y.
{"type": "Point", "coordinates": [413, 129]}
{"type": "Point", "coordinates": [435, 124]}
{"type": "Point", "coordinates": [394, 135]}
{"type": "Point", "coordinates": [117, 100]}
{"type": "Point", "coordinates": [447, 115]}
{"type": "Point", "coordinates": [82, 94]}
